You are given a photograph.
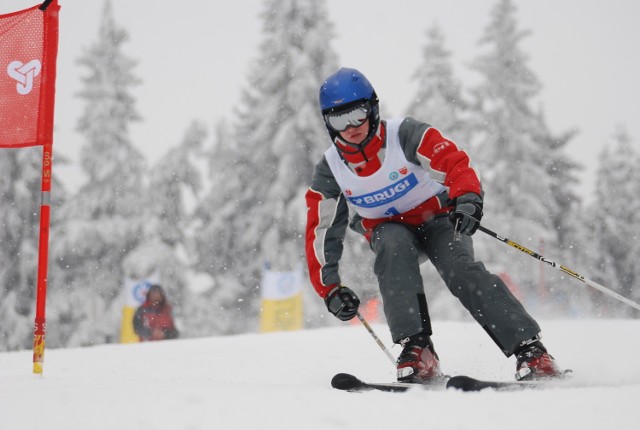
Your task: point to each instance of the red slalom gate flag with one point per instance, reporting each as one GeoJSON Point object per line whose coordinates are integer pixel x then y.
{"type": "Point", "coordinates": [28, 52]}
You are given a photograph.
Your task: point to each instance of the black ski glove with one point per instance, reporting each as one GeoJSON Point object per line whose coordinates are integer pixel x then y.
{"type": "Point", "coordinates": [342, 302]}
{"type": "Point", "coordinates": [467, 213]}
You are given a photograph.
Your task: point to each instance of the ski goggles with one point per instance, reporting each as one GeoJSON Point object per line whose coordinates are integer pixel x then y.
{"type": "Point", "coordinates": [354, 117]}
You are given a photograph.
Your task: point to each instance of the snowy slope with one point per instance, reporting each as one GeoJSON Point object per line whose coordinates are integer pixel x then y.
{"type": "Point", "coordinates": [281, 381]}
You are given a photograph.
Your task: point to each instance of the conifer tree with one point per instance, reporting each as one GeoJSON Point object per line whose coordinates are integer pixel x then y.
{"type": "Point", "coordinates": [20, 171]}
{"type": "Point", "coordinates": [526, 177]}
{"type": "Point", "coordinates": [163, 249]}
{"type": "Point", "coordinates": [438, 99]}
{"type": "Point", "coordinates": [105, 217]}
{"type": "Point", "coordinates": [217, 308]}
{"type": "Point", "coordinates": [277, 139]}
{"type": "Point", "coordinates": [615, 220]}
{"type": "Point", "coordinates": [20, 184]}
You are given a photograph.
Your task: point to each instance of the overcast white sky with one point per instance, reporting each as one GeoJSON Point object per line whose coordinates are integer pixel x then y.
{"type": "Point", "coordinates": [194, 58]}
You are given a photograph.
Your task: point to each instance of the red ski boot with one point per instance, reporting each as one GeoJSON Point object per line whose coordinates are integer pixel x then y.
{"type": "Point", "coordinates": [534, 362]}
{"type": "Point", "coordinates": [418, 361]}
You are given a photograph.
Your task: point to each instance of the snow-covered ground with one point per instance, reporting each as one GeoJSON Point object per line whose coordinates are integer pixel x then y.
{"type": "Point", "coordinates": [282, 381]}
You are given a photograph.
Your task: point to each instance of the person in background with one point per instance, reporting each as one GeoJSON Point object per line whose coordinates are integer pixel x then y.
{"type": "Point", "coordinates": [415, 196]}
{"type": "Point", "coordinates": [153, 320]}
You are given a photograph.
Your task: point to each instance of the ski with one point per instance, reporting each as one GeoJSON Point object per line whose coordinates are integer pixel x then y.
{"type": "Point", "coordinates": [466, 383]}
{"type": "Point", "coordinates": [348, 382]}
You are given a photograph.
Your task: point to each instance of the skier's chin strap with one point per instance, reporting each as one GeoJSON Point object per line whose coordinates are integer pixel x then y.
{"type": "Point", "coordinates": [358, 148]}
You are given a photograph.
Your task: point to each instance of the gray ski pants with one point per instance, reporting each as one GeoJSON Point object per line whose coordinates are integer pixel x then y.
{"type": "Point", "coordinates": [399, 251]}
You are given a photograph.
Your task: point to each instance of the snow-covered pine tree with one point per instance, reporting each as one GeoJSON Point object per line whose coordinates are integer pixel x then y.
{"type": "Point", "coordinates": [105, 217]}
{"type": "Point", "coordinates": [20, 173]}
{"type": "Point", "coordinates": [228, 172]}
{"type": "Point", "coordinates": [217, 309]}
{"type": "Point", "coordinates": [521, 162]}
{"type": "Point", "coordinates": [615, 223]}
{"type": "Point", "coordinates": [277, 139]}
{"type": "Point", "coordinates": [162, 251]}
{"type": "Point", "coordinates": [438, 99]}
{"type": "Point", "coordinates": [20, 183]}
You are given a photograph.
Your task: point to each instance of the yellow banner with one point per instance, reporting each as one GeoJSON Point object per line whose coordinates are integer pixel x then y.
{"type": "Point", "coordinates": [127, 335]}
{"type": "Point", "coordinates": [281, 315]}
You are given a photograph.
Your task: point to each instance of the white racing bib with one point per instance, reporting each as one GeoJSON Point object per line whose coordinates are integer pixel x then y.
{"type": "Point", "coordinates": [397, 187]}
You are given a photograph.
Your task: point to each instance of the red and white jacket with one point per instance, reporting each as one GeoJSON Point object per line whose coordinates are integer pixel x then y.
{"type": "Point", "coordinates": [433, 166]}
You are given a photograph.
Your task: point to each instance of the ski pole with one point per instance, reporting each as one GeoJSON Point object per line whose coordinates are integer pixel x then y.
{"type": "Point", "coordinates": [562, 268]}
{"type": "Point", "coordinates": [376, 338]}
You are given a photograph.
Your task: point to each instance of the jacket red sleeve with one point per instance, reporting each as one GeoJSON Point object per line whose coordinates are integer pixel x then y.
{"type": "Point", "coordinates": [327, 219]}
{"type": "Point", "coordinates": [440, 156]}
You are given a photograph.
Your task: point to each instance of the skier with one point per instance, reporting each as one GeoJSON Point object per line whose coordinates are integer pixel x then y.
{"type": "Point", "coordinates": [413, 191]}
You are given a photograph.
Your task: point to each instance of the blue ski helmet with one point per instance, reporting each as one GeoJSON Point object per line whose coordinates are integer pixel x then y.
{"type": "Point", "coordinates": [344, 90]}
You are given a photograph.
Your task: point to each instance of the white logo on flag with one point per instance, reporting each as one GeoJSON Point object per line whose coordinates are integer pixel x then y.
{"type": "Point", "coordinates": [24, 74]}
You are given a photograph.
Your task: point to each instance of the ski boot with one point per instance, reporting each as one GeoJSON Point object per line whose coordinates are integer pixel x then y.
{"type": "Point", "coordinates": [534, 362]}
{"type": "Point", "coordinates": [418, 361]}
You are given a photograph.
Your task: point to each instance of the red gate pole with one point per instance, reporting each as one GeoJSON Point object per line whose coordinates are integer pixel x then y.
{"type": "Point", "coordinates": [43, 260]}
